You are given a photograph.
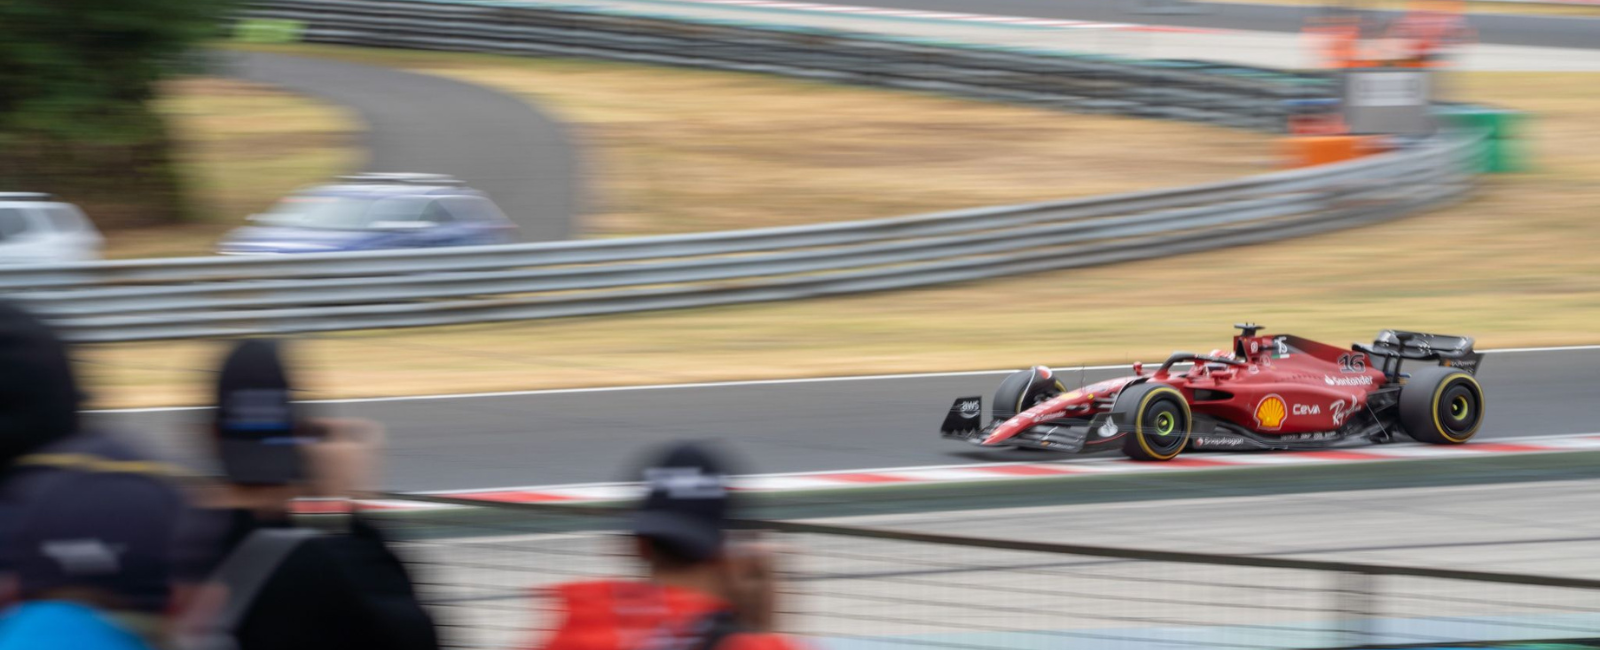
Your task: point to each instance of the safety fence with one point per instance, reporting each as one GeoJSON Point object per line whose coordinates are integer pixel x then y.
{"type": "Point", "coordinates": [855, 588]}
{"type": "Point", "coordinates": [224, 296]}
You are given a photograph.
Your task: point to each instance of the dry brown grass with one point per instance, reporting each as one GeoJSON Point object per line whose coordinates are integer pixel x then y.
{"type": "Point", "coordinates": [1513, 267]}
{"type": "Point", "coordinates": [240, 146]}
{"type": "Point", "coordinates": [672, 150]}
{"type": "Point", "coordinates": [669, 150]}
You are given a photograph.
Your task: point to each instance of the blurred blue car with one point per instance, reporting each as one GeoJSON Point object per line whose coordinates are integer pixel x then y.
{"type": "Point", "coordinates": [372, 212]}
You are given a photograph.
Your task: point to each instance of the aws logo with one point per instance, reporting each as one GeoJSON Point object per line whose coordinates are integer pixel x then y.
{"type": "Point", "coordinates": [970, 408]}
{"type": "Point", "coordinates": [1271, 412]}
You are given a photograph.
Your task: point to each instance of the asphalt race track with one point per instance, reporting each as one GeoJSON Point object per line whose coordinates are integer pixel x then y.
{"type": "Point", "coordinates": [421, 123]}
{"type": "Point", "coordinates": [1505, 29]}
{"type": "Point", "coordinates": [590, 436]}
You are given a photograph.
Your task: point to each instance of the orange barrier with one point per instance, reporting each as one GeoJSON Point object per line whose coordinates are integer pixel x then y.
{"type": "Point", "coordinates": [1324, 149]}
{"type": "Point", "coordinates": [1317, 124]}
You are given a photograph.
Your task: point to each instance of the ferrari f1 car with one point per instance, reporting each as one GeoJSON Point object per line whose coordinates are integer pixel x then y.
{"type": "Point", "coordinates": [1271, 392]}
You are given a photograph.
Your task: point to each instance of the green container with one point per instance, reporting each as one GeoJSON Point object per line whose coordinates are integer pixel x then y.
{"type": "Point", "coordinates": [1506, 151]}
{"type": "Point", "coordinates": [268, 30]}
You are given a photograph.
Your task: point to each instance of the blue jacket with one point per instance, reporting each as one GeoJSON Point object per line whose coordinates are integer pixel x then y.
{"type": "Point", "coordinates": [49, 625]}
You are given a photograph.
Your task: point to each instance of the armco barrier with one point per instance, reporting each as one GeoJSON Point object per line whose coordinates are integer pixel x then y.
{"type": "Point", "coordinates": [153, 299]}
{"type": "Point", "coordinates": [222, 296]}
{"type": "Point", "coordinates": [1188, 90]}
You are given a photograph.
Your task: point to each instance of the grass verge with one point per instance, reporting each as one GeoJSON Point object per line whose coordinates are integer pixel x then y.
{"type": "Point", "coordinates": [670, 150]}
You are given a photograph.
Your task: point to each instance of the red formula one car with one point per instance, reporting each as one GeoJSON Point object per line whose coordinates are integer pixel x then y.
{"type": "Point", "coordinates": [1272, 392]}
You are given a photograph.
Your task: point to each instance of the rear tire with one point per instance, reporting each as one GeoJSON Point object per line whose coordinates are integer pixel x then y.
{"type": "Point", "coordinates": [1441, 406]}
{"type": "Point", "coordinates": [1021, 390]}
{"type": "Point", "coordinates": [1159, 421]}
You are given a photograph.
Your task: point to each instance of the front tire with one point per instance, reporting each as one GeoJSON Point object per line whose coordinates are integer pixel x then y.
{"type": "Point", "coordinates": [1022, 390]}
{"type": "Point", "coordinates": [1159, 421]}
{"type": "Point", "coordinates": [1441, 406]}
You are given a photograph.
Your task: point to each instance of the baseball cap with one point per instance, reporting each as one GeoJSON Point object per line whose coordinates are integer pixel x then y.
{"type": "Point", "coordinates": [257, 429]}
{"type": "Point", "coordinates": [38, 395]}
{"type": "Point", "coordinates": [687, 501]}
{"type": "Point", "coordinates": [110, 532]}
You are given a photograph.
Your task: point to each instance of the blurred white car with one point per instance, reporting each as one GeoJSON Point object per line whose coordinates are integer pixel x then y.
{"type": "Point", "coordinates": [35, 228]}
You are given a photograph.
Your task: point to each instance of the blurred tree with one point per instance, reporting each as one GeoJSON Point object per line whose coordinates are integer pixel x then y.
{"type": "Point", "coordinates": [76, 80]}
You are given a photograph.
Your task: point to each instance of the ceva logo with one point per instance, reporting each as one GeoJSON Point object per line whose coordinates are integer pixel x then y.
{"type": "Point", "coordinates": [1271, 412]}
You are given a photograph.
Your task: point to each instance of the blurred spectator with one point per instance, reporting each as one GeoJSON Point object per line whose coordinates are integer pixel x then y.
{"type": "Point", "coordinates": [1429, 32]}
{"type": "Point", "coordinates": [86, 525]}
{"type": "Point", "coordinates": [704, 592]}
{"type": "Point", "coordinates": [91, 562]}
{"type": "Point", "coordinates": [1335, 32]}
{"type": "Point", "coordinates": [266, 584]}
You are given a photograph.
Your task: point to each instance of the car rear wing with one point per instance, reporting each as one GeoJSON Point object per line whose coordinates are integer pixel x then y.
{"type": "Point", "coordinates": [1453, 351]}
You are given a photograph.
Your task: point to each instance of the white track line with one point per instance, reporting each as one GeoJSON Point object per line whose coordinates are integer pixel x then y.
{"type": "Point", "coordinates": [725, 384]}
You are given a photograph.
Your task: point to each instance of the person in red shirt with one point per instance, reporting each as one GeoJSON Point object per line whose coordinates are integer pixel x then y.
{"type": "Point", "coordinates": [704, 591]}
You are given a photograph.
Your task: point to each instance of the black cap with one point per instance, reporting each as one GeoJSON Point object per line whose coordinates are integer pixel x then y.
{"type": "Point", "coordinates": [110, 532]}
{"type": "Point", "coordinates": [257, 429]}
{"type": "Point", "coordinates": [38, 395]}
{"type": "Point", "coordinates": [687, 504]}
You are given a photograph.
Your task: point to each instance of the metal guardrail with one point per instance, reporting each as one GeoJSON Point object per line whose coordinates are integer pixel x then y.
{"type": "Point", "coordinates": [1231, 95]}
{"type": "Point", "coordinates": [153, 299]}
{"type": "Point", "coordinates": [847, 586]}
{"type": "Point", "coordinates": [222, 296]}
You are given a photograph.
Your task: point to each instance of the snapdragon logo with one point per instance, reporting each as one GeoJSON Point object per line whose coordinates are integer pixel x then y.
{"type": "Point", "coordinates": [1219, 441]}
{"type": "Point", "coordinates": [1360, 380]}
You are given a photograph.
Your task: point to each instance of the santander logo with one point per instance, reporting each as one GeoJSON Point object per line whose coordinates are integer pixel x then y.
{"type": "Point", "coordinates": [1356, 380]}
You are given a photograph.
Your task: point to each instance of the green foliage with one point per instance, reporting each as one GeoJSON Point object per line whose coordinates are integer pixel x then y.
{"type": "Point", "coordinates": [76, 79]}
{"type": "Point", "coordinates": [83, 69]}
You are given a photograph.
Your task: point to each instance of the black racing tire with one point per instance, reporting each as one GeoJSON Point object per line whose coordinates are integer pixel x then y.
{"type": "Point", "coordinates": [1441, 406]}
{"type": "Point", "coordinates": [1020, 390]}
{"type": "Point", "coordinates": [1156, 421]}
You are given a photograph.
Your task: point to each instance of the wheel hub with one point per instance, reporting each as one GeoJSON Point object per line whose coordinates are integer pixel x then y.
{"type": "Point", "coordinates": [1460, 408]}
{"type": "Point", "coordinates": [1165, 423]}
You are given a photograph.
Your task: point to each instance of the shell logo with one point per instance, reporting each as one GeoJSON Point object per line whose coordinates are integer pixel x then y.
{"type": "Point", "coordinates": [1271, 412]}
